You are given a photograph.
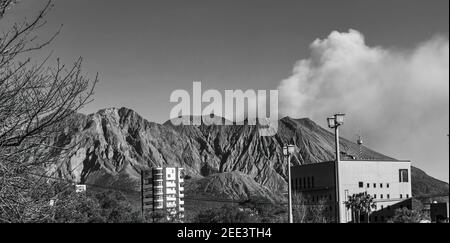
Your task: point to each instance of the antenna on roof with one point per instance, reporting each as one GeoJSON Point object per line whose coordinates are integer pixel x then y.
{"type": "Point", "coordinates": [360, 142]}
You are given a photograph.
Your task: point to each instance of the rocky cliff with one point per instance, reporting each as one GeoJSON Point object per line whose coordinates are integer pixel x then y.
{"type": "Point", "coordinates": [111, 146]}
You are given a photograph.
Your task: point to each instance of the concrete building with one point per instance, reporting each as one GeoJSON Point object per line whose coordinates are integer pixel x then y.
{"type": "Point", "coordinates": [80, 188]}
{"type": "Point", "coordinates": [387, 180]}
{"type": "Point", "coordinates": [163, 190]}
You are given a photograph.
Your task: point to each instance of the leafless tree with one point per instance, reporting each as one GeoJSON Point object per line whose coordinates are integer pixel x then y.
{"type": "Point", "coordinates": [300, 208]}
{"type": "Point", "coordinates": [308, 211]}
{"type": "Point", "coordinates": [36, 101]}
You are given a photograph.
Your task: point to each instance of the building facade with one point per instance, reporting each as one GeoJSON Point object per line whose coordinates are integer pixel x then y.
{"type": "Point", "coordinates": [388, 182]}
{"type": "Point", "coordinates": [163, 190]}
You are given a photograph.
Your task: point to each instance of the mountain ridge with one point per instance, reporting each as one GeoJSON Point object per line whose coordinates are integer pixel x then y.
{"type": "Point", "coordinates": [114, 144]}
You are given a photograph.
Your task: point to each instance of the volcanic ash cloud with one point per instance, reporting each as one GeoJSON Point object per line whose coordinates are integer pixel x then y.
{"type": "Point", "coordinates": [384, 91]}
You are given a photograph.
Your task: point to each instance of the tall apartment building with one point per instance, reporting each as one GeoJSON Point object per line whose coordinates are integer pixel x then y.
{"type": "Point", "coordinates": [163, 190]}
{"type": "Point", "coordinates": [387, 181]}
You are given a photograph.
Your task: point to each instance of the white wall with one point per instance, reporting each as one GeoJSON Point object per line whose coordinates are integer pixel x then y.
{"type": "Point", "coordinates": [353, 172]}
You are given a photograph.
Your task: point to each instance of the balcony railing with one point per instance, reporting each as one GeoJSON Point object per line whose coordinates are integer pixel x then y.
{"type": "Point", "coordinates": [171, 184]}
{"type": "Point", "coordinates": [171, 199]}
{"type": "Point", "coordinates": [171, 205]}
{"type": "Point", "coordinates": [146, 200]}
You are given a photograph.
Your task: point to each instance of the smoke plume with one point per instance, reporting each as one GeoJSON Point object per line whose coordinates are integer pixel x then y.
{"type": "Point", "coordinates": [397, 99]}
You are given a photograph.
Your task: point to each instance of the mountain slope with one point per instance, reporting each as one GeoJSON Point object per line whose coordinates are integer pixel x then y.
{"type": "Point", "coordinates": [424, 185]}
{"type": "Point", "coordinates": [113, 145]}
{"type": "Point", "coordinates": [234, 185]}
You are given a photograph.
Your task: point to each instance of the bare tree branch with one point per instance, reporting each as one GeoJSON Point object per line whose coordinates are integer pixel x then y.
{"type": "Point", "coordinates": [36, 102]}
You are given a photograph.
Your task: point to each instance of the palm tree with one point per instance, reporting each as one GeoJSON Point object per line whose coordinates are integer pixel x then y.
{"type": "Point", "coordinates": [360, 203]}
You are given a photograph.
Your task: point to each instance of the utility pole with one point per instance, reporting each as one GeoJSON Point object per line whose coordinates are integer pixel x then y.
{"type": "Point", "coordinates": [287, 151]}
{"type": "Point", "coordinates": [334, 122]}
{"type": "Point", "coordinates": [291, 218]}
{"type": "Point", "coordinates": [338, 159]}
{"type": "Point", "coordinates": [142, 195]}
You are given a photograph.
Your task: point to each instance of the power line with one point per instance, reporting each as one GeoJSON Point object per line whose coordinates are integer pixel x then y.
{"type": "Point", "coordinates": [249, 201]}
{"type": "Point", "coordinates": [185, 198]}
{"type": "Point", "coordinates": [87, 184]}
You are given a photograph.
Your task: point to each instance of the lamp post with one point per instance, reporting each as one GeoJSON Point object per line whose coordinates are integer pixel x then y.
{"type": "Point", "coordinates": [334, 122]}
{"type": "Point", "coordinates": [287, 152]}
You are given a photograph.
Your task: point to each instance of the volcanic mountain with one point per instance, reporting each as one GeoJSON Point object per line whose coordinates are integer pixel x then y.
{"type": "Point", "coordinates": [111, 147]}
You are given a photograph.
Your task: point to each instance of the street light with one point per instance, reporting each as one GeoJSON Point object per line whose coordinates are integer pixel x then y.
{"type": "Point", "coordinates": [334, 122]}
{"type": "Point", "coordinates": [331, 122]}
{"type": "Point", "coordinates": [287, 152]}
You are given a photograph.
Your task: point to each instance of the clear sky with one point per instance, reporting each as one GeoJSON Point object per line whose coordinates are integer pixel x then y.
{"type": "Point", "coordinates": [143, 50]}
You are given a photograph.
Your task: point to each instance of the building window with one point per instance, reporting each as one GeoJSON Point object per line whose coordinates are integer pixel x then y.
{"type": "Point", "coordinates": [407, 195]}
{"type": "Point", "coordinates": [304, 182]}
{"type": "Point", "coordinates": [401, 196]}
{"type": "Point", "coordinates": [381, 196]}
{"type": "Point", "coordinates": [388, 196]}
{"type": "Point", "coordinates": [368, 185]}
{"type": "Point", "coordinates": [387, 185]}
{"type": "Point", "coordinates": [403, 175]}
{"type": "Point", "coordinates": [309, 182]}
{"type": "Point", "coordinates": [381, 185]}
{"type": "Point", "coordinates": [300, 183]}
{"type": "Point", "coordinates": [374, 185]}
{"type": "Point", "coordinates": [312, 182]}
{"type": "Point", "coordinates": [361, 184]}
{"type": "Point", "coordinates": [375, 196]}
